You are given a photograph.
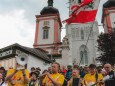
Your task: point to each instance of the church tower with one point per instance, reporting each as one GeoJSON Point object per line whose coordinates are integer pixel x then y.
{"type": "Point", "coordinates": [108, 16]}
{"type": "Point", "coordinates": [82, 40]}
{"type": "Point", "coordinates": [48, 29]}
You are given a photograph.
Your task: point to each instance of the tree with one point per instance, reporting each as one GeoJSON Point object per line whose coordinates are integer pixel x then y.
{"type": "Point", "coordinates": [106, 45]}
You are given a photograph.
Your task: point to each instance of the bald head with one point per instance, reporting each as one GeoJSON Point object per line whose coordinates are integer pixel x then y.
{"type": "Point", "coordinates": [108, 67]}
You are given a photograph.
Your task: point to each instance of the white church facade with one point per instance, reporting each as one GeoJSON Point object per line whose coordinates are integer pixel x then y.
{"type": "Point", "coordinates": [74, 45]}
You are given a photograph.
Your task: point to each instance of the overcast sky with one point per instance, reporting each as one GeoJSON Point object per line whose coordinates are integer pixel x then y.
{"type": "Point", "coordinates": [17, 19]}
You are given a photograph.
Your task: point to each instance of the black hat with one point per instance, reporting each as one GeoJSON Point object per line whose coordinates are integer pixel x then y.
{"type": "Point", "coordinates": [92, 66]}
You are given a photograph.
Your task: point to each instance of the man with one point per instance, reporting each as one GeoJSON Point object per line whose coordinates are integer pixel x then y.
{"type": "Point", "coordinates": [16, 77]}
{"type": "Point", "coordinates": [92, 77]}
{"type": "Point", "coordinates": [69, 72]}
{"type": "Point", "coordinates": [3, 72]}
{"type": "Point", "coordinates": [84, 71]}
{"type": "Point", "coordinates": [54, 79]}
{"type": "Point", "coordinates": [75, 79]}
{"type": "Point", "coordinates": [2, 81]}
{"type": "Point", "coordinates": [111, 73]}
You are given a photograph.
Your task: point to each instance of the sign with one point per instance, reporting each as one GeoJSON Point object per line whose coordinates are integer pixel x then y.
{"type": "Point", "coordinates": [6, 53]}
{"type": "Point", "coordinates": [18, 52]}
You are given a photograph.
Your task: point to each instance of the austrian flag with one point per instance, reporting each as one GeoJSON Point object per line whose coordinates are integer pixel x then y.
{"type": "Point", "coordinates": [84, 12]}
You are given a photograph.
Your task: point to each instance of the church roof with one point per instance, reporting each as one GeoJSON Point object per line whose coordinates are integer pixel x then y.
{"type": "Point", "coordinates": [109, 3]}
{"type": "Point", "coordinates": [49, 10]}
{"type": "Point", "coordinates": [36, 52]}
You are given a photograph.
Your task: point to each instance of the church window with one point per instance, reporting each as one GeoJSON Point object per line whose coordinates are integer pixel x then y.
{"type": "Point", "coordinates": [83, 55]}
{"type": "Point", "coordinates": [45, 33]}
{"type": "Point", "coordinates": [82, 34]}
{"type": "Point", "coordinates": [46, 23]}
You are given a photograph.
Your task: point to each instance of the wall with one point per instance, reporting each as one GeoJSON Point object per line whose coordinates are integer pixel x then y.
{"type": "Point", "coordinates": [36, 62]}
{"type": "Point", "coordinates": [50, 40]}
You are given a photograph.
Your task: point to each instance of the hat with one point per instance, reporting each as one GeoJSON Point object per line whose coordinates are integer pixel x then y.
{"type": "Point", "coordinates": [34, 74]}
{"type": "Point", "coordinates": [38, 68]}
{"type": "Point", "coordinates": [32, 68]}
{"type": "Point", "coordinates": [92, 66]}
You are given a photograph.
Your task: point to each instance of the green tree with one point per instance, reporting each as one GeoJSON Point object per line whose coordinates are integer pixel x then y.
{"type": "Point", "coordinates": [106, 45]}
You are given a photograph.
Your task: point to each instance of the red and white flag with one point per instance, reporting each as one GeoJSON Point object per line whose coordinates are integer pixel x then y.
{"type": "Point", "coordinates": [84, 12]}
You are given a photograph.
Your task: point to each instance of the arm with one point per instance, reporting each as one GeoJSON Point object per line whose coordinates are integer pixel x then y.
{"type": "Point", "coordinates": [10, 76]}
{"type": "Point", "coordinates": [26, 79]}
{"type": "Point", "coordinates": [53, 80]}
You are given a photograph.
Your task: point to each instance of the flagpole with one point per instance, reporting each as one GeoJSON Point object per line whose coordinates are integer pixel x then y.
{"type": "Point", "coordinates": [87, 41]}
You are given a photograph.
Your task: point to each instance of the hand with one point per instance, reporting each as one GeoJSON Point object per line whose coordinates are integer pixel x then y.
{"type": "Point", "coordinates": [48, 75]}
{"type": "Point", "coordinates": [23, 71]}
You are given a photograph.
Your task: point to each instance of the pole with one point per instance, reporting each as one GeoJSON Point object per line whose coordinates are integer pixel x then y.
{"type": "Point", "coordinates": [86, 42]}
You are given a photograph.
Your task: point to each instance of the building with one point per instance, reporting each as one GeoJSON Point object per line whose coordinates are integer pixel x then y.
{"type": "Point", "coordinates": [48, 31]}
{"type": "Point", "coordinates": [36, 57]}
{"type": "Point", "coordinates": [82, 41]}
{"type": "Point", "coordinates": [108, 16]}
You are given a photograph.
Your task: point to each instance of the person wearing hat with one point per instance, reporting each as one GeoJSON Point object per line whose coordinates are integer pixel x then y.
{"type": "Point", "coordinates": [17, 77]}
{"type": "Point", "coordinates": [33, 80]}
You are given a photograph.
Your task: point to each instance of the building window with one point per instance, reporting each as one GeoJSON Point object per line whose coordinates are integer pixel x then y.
{"type": "Point", "coordinates": [46, 23]}
{"type": "Point", "coordinates": [45, 33]}
{"type": "Point", "coordinates": [83, 55]}
{"type": "Point", "coordinates": [82, 34]}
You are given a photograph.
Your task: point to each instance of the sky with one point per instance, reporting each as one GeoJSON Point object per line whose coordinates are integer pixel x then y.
{"type": "Point", "coordinates": [17, 19]}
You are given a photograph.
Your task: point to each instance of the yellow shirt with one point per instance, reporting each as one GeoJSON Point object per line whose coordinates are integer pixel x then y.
{"type": "Point", "coordinates": [57, 77]}
{"type": "Point", "coordinates": [18, 78]}
{"type": "Point", "coordinates": [91, 78]}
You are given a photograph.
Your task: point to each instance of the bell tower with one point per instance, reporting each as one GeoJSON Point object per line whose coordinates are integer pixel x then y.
{"type": "Point", "coordinates": [108, 16]}
{"type": "Point", "coordinates": [48, 29]}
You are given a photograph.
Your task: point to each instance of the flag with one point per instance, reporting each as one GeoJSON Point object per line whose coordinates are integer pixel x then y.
{"type": "Point", "coordinates": [83, 3]}
{"type": "Point", "coordinates": [83, 13]}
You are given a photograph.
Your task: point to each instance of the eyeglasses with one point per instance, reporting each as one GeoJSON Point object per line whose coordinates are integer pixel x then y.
{"type": "Point", "coordinates": [106, 67]}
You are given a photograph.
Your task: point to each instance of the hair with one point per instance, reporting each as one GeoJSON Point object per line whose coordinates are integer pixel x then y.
{"type": "Point", "coordinates": [34, 74]}
{"type": "Point", "coordinates": [57, 64]}
{"type": "Point", "coordinates": [32, 68]}
{"type": "Point", "coordinates": [92, 66]}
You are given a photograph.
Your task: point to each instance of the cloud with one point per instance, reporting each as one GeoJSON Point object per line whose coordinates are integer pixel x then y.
{"type": "Point", "coordinates": [15, 29]}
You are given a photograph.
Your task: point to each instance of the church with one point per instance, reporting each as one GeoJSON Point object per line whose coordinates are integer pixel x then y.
{"type": "Point", "coordinates": [77, 47]}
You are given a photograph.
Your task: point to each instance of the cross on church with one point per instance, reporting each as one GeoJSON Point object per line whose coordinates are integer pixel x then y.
{"type": "Point", "coordinates": [50, 2]}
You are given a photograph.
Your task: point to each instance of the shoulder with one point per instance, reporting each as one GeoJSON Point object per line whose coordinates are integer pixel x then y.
{"type": "Point", "coordinates": [61, 75]}
{"type": "Point", "coordinates": [11, 70]}
{"type": "Point", "coordinates": [87, 75]}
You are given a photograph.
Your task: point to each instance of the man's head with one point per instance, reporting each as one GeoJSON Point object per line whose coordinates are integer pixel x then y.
{"type": "Point", "coordinates": [75, 72]}
{"type": "Point", "coordinates": [55, 67]}
{"type": "Point", "coordinates": [92, 69]}
{"type": "Point", "coordinates": [69, 67]}
{"type": "Point", "coordinates": [86, 68]}
{"type": "Point", "coordinates": [108, 67]}
{"type": "Point", "coordinates": [2, 70]}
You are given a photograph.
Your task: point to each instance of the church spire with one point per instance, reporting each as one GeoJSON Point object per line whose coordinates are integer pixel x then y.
{"type": "Point", "coordinates": [50, 3]}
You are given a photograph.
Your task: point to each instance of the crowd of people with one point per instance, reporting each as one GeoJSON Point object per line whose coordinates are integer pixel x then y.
{"type": "Point", "coordinates": [56, 75]}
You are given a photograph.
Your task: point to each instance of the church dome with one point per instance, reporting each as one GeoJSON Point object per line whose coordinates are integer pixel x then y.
{"type": "Point", "coordinates": [49, 10]}
{"type": "Point", "coordinates": [109, 3]}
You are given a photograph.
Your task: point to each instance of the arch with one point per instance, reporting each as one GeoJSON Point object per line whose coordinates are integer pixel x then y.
{"type": "Point", "coordinates": [84, 55]}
